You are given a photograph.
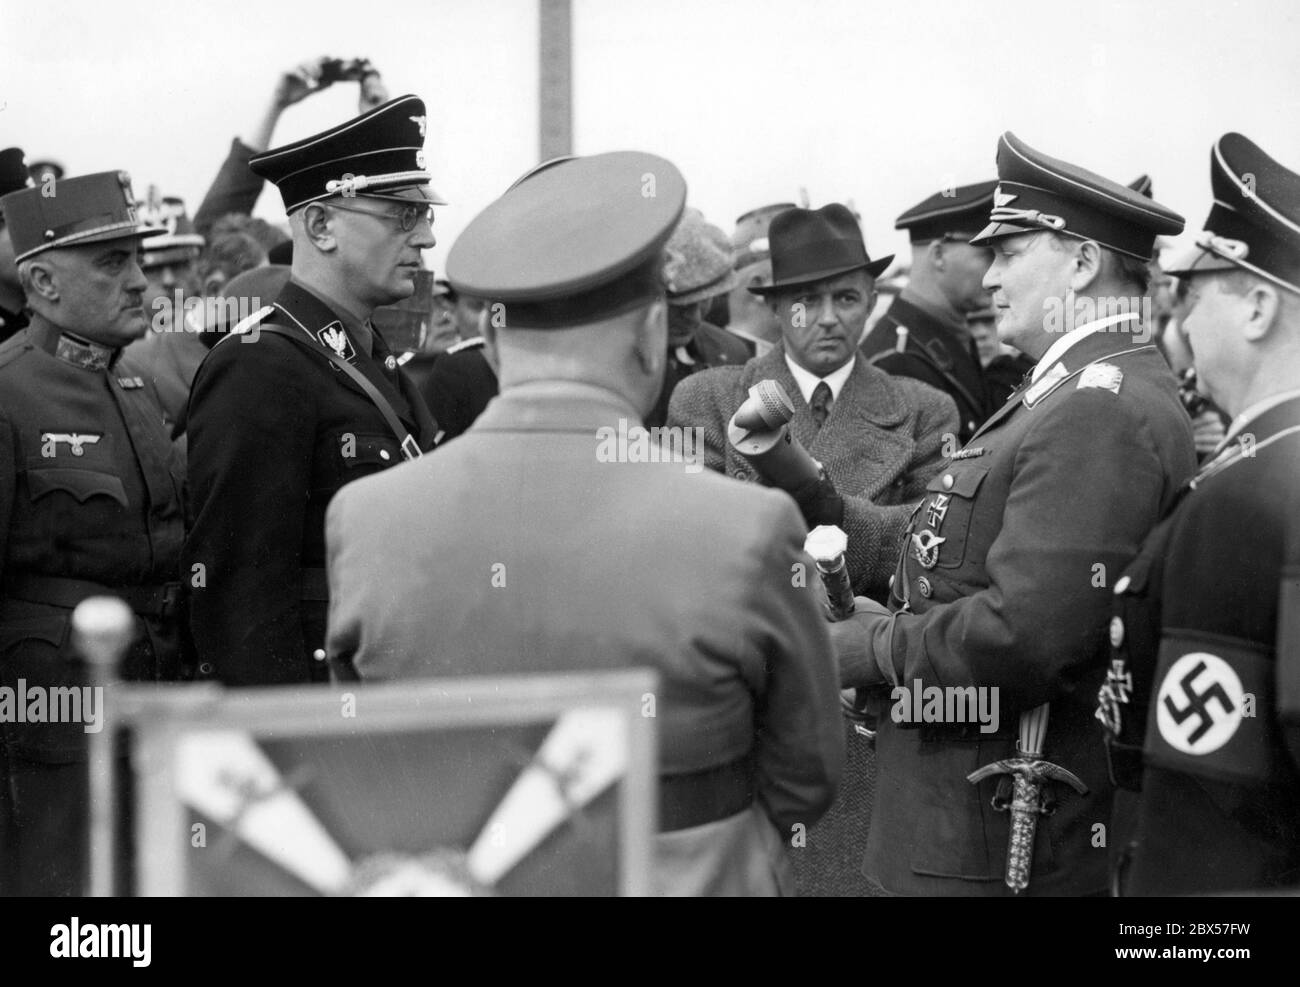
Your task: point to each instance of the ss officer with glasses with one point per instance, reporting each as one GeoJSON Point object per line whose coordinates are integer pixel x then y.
{"type": "Point", "coordinates": [305, 396]}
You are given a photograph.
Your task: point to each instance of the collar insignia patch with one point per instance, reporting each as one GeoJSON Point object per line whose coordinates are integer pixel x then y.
{"type": "Point", "coordinates": [335, 337]}
{"type": "Point", "coordinates": [1045, 384]}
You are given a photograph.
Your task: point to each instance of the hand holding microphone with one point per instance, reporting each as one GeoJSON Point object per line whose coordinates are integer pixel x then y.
{"type": "Point", "coordinates": [760, 431]}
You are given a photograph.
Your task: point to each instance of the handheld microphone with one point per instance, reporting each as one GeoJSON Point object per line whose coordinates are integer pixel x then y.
{"type": "Point", "coordinates": [759, 431]}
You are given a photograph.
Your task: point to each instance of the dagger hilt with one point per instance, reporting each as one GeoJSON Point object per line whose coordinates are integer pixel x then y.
{"type": "Point", "coordinates": [1028, 777]}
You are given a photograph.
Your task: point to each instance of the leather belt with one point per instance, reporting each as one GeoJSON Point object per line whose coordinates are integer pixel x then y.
{"type": "Point", "coordinates": [706, 796]}
{"type": "Point", "coordinates": [161, 600]}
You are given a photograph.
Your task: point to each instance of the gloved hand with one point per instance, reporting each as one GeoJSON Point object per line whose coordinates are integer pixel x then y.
{"type": "Point", "coordinates": [819, 502]}
{"type": "Point", "coordinates": [863, 645]}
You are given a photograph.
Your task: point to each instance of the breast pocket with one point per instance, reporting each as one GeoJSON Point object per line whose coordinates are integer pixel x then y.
{"type": "Point", "coordinates": [80, 484]}
{"type": "Point", "coordinates": [366, 452]}
{"type": "Point", "coordinates": [71, 504]}
{"type": "Point", "coordinates": [949, 508]}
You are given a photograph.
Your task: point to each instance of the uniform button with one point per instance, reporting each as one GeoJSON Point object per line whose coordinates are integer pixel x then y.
{"type": "Point", "coordinates": [385, 455]}
{"type": "Point", "coordinates": [923, 585]}
{"type": "Point", "coordinates": [1116, 632]}
{"type": "Point", "coordinates": [738, 474]}
{"type": "Point", "coordinates": [947, 481]}
{"type": "Point", "coordinates": [390, 362]}
{"type": "Point", "coordinates": [205, 668]}
{"type": "Point", "coordinates": [1122, 585]}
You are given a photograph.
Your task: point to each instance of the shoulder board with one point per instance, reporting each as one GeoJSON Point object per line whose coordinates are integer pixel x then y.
{"type": "Point", "coordinates": [246, 325]}
{"type": "Point", "coordinates": [473, 343]}
{"type": "Point", "coordinates": [1098, 373]}
{"type": "Point", "coordinates": [1107, 376]}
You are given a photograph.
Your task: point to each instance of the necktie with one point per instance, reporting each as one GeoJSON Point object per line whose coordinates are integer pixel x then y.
{"type": "Point", "coordinates": [821, 403]}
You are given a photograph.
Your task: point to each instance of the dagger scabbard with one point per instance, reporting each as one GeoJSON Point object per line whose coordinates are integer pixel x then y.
{"type": "Point", "coordinates": [1028, 776]}
{"type": "Point", "coordinates": [1026, 804]}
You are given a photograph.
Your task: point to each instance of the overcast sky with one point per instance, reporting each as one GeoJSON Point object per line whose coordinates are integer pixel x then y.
{"type": "Point", "coordinates": [851, 99]}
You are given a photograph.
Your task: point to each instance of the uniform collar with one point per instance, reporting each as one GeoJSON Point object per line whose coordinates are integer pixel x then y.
{"type": "Point", "coordinates": [808, 381]}
{"type": "Point", "coordinates": [1254, 412]}
{"type": "Point", "coordinates": [1058, 349]}
{"type": "Point", "coordinates": [71, 349]}
{"type": "Point", "coordinates": [360, 330]}
{"type": "Point", "coordinates": [83, 353]}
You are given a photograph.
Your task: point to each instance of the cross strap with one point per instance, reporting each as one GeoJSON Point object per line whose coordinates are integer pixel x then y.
{"type": "Point", "coordinates": [410, 448]}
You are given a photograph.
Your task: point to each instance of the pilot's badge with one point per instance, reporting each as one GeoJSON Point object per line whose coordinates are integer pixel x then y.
{"type": "Point", "coordinates": [925, 548]}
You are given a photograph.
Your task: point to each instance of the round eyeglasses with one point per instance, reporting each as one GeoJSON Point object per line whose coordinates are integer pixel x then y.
{"type": "Point", "coordinates": [409, 215]}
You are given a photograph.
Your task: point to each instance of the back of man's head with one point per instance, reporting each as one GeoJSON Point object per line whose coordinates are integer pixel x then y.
{"type": "Point", "coordinates": [624, 354]}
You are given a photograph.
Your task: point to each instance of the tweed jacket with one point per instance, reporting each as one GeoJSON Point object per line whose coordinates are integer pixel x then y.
{"type": "Point", "coordinates": [881, 444]}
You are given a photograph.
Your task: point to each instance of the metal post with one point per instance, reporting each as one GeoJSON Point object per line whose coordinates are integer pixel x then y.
{"type": "Point", "coordinates": [555, 79]}
{"type": "Point", "coordinates": [102, 628]}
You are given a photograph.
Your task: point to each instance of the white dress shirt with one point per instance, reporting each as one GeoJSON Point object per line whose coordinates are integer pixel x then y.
{"type": "Point", "coordinates": [808, 381]}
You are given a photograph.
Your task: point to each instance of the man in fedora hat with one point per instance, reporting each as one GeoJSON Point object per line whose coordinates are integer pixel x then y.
{"type": "Point", "coordinates": [1003, 589]}
{"type": "Point", "coordinates": [878, 438]}
{"type": "Point", "coordinates": [307, 398]}
{"type": "Point", "coordinates": [90, 504]}
{"type": "Point", "coordinates": [1202, 704]}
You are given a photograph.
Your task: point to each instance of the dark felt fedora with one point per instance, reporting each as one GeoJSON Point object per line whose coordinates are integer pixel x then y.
{"type": "Point", "coordinates": [810, 245]}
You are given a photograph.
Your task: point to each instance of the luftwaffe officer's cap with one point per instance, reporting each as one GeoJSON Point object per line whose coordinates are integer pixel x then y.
{"type": "Point", "coordinates": [963, 210]}
{"type": "Point", "coordinates": [1254, 224]}
{"type": "Point", "coordinates": [1037, 193]}
{"type": "Point", "coordinates": [85, 209]}
{"type": "Point", "coordinates": [377, 153]}
{"type": "Point", "coordinates": [579, 240]}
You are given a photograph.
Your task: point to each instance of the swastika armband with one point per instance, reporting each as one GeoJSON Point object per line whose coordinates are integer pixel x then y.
{"type": "Point", "coordinates": [1211, 708]}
